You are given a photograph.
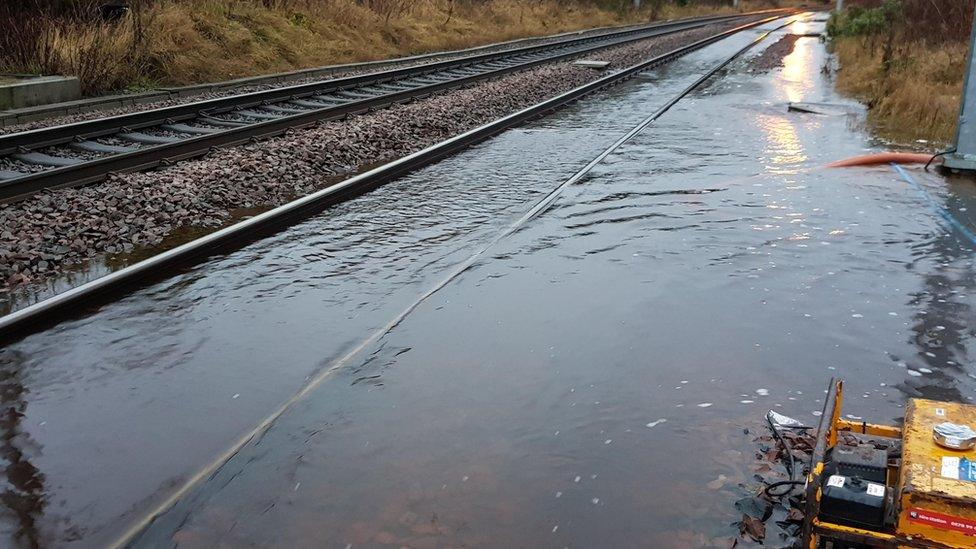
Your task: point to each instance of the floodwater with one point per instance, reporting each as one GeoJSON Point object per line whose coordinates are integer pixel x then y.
{"type": "Point", "coordinates": [588, 381]}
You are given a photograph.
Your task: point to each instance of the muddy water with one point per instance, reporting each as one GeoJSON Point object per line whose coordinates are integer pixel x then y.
{"type": "Point", "coordinates": [587, 382]}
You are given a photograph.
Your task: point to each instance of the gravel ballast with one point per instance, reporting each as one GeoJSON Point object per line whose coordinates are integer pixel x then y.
{"type": "Point", "coordinates": [57, 230]}
{"type": "Point", "coordinates": [772, 57]}
{"type": "Point", "coordinates": [217, 92]}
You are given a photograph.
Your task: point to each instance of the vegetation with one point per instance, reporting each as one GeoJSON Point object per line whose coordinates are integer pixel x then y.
{"type": "Point", "coordinates": [905, 59]}
{"type": "Point", "coordinates": [175, 42]}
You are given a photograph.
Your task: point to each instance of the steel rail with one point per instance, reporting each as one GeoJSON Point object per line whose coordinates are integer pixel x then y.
{"type": "Point", "coordinates": [19, 116]}
{"type": "Point", "coordinates": [269, 112]}
{"type": "Point", "coordinates": [141, 534]}
{"type": "Point", "coordinates": [64, 305]}
{"type": "Point", "coordinates": [63, 134]}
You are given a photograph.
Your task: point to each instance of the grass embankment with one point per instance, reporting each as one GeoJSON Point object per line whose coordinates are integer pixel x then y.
{"type": "Point", "coordinates": [175, 42]}
{"type": "Point", "coordinates": [906, 60]}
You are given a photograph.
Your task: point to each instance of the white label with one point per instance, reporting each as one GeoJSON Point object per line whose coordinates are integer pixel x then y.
{"type": "Point", "coordinates": [940, 412]}
{"type": "Point", "coordinates": [950, 467]}
{"type": "Point", "coordinates": [836, 480]}
{"type": "Point", "coordinates": [876, 490]}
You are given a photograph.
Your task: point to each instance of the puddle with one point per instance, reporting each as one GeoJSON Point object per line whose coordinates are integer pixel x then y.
{"type": "Point", "coordinates": [596, 379]}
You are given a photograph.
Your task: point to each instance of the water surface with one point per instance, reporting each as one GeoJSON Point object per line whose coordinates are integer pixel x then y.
{"type": "Point", "coordinates": [706, 272]}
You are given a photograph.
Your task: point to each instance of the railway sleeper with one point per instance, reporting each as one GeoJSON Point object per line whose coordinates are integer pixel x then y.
{"type": "Point", "coordinates": [354, 94]}
{"type": "Point", "coordinates": [186, 128]}
{"type": "Point", "coordinates": [147, 139]}
{"type": "Point", "coordinates": [310, 104]}
{"type": "Point", "coordinates": [257, 114]}
{"type": "Point", "coordinates": [42, 159]}
{"type": "Point", "coordinates": [283, 110]}
{"type": "Point", "coordinates": [96, 147]}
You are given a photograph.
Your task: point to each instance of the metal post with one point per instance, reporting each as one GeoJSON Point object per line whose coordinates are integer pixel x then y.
{"type": "Point", "coordinates": [840, 6]}
{"type": "Point", "coordinates": [964, 157]}
{"type": "Point", "coordinates": [637, 4]}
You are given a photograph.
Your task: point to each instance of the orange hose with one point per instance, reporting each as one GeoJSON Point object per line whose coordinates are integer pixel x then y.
{"type": "Point", "coordinates": [882, 158]}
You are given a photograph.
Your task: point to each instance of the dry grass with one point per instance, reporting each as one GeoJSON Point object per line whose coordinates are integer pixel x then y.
{"type": "Point", "coordinates": [918, 98]}
{"type": "Point", "coordinates": [175, 42]}
{"type": "Point", "coordinates": [910, 80]}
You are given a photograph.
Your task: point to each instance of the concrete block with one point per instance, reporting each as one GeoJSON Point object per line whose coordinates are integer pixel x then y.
{"type": "Point", "coordinates": [149, 97]}
{"type": "Point", "coordinates": [592, 63]}
{"type": "Point", "coordinates": [16, 93]}
{"type": "Point", "coordinates": [34, 117]}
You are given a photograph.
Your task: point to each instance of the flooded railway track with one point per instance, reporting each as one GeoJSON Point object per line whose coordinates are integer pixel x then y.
{"type": "Point", "coordinates": [69, 303]}
{"type": "Point", "coordinates": [86, 152]}
{"type": "Point", "coordinates": [611, 346]}
{"type": "Point", "coordinates": [154, 527]}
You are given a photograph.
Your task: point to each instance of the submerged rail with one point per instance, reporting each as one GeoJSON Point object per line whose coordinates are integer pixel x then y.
{"type": "Point", "coordinates": [140, 533]}
{"type": "Point", "coordinates": [71, 302]}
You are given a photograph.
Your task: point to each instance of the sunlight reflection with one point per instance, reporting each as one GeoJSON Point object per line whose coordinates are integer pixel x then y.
{"type": "Point", "coordinates": [797, 73]}
{"type": "Point", "coordinates": [800, 27]}
{"type": "Point", "coordinates": [783, 152]}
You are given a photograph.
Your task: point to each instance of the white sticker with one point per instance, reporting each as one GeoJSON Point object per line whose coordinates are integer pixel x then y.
{"type": "Point", "coordinates": [950, 467]}
{"type": "Point", "coordinates": [940, 412]}
{"type": "Point", "coordinates": [876, 490]}
{"type": "Point", "coordinates": [836, 480]}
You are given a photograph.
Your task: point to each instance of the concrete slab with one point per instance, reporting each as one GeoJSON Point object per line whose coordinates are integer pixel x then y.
{"type": "Point", "coordinates": [592, 63]}
{"type": "Point", "coordinates": [28, 92]}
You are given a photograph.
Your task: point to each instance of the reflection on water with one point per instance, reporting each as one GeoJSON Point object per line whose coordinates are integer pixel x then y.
{"type": "Point", "coordinates": [942, 325]}
{"type": "Point", "coordinates": [597, 379]}
{"type": "Point", "coordinates": [23, 493]}
{"type": "Point", "coordinates": [795, 83]}
{"type": "Point", "coordinates": [130, 401]}
{"type": "Point", "coordinates": [801, 27]}
{"type": "Point", "coordinates": [783, 152]}
{"type": "Point", "coordinates": [620, 350]}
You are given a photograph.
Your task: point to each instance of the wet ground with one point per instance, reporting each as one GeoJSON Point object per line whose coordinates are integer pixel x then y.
{"type": "Point", "coordinates": [587, 382]}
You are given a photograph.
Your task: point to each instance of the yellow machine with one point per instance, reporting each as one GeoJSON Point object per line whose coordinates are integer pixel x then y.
{"type": "Point", "coordinates": [881, 486]}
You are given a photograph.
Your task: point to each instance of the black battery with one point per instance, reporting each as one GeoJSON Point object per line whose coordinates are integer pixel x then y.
{"type": "Point", "coordinates": [863, 460]}
{"type": "Point", "coordinates": [853, 501]}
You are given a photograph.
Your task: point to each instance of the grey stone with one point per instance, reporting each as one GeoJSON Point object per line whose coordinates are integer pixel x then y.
{"type": "Point", "coordinates": [42, 90]}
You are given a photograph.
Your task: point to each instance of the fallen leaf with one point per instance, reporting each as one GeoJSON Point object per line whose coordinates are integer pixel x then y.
{"type": "Point", "coordinates": [717, 483]}
{"type": "Point", "coordinates": [752, 527]}
{"type": "Point", "coordinates": [795, 515]}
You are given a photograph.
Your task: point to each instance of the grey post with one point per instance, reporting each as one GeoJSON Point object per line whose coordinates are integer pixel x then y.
{"type": "Point", "coordinates": [840, 6]}
{"type": "Point", "coordinates": [964, 157]}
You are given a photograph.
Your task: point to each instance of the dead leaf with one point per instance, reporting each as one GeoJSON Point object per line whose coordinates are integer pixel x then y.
{"type": "Point", "coordinates": [717, 483]}
{"type": "Point", "coordinates": [752, 527]}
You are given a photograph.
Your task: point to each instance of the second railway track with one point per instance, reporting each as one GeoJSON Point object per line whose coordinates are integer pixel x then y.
{"type": "Point", "coordinates": [87, 152]}
{"type": "Point", "coordinates": [68, 303]}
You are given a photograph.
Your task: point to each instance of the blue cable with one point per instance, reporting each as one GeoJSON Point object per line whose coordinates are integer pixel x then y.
{"type": "Point", "coordinates": [943, 213]}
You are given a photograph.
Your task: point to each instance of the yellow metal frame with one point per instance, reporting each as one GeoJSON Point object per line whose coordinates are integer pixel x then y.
{"type": "Point", "coordinates": [831, 425]}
